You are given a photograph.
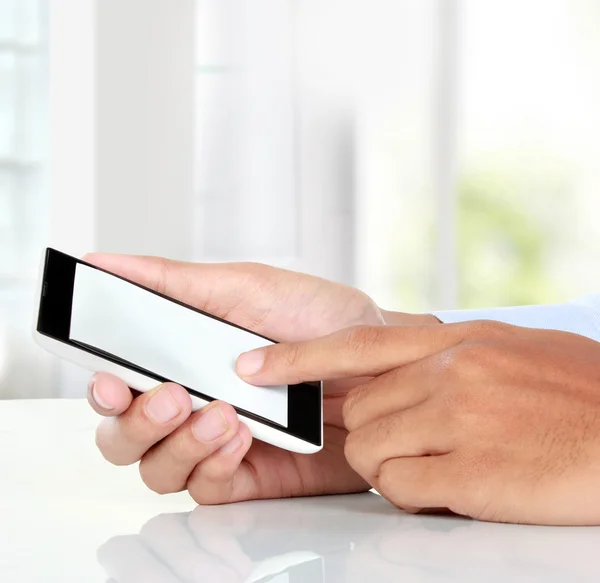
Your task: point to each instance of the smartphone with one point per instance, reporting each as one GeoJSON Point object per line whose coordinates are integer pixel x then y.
{"type": "Point", "coordinates": [105, 323]}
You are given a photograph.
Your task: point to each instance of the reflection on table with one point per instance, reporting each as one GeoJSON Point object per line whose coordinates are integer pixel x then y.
{"type": "Point", "coordinates": [343, 539]}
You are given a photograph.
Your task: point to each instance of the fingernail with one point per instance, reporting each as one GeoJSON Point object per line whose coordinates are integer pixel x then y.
{"type": "Point", "coordinates": [163, 406]}
{"type": "Point", "coordinates": [232, 446]}
{"type": "Point", "coordinates": [250, 363]}
{"type": "Point", "coordinates": [210, 425]}
{"type": "Point", "coordinates": [97, 395]}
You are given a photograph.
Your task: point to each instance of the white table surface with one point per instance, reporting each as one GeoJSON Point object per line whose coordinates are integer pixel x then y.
{"type": "Point", "coordinates": [67, 515]}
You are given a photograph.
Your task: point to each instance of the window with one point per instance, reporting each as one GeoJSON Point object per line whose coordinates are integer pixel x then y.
{"type": "Point", "coordinates": [519, 223]}
{"type": "Point", "coordinates": [246, 121]}
{"type": "Point", "coordinates": [23, 99]}
{"type": "Point", "coordinates": [436, 154]}
{"type": "Point", "coordinates": [23, 196]}
{"type": "Point", "coordinates": [529, 174]}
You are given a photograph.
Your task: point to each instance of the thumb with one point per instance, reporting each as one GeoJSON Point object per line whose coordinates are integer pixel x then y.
{"type": "Point", "coordinates": [360, 351]}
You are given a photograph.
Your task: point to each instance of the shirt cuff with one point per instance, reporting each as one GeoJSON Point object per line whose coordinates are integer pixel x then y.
{"type": "Point", "coordinates": [582, 316]}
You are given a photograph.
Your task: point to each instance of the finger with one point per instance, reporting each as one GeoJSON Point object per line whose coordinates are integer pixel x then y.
{"type": "Point", "coordinates": [418, 431]}
{"type": "Point", "coordinates": [222, 477]}
{"type": "Point", "coordinates": [167, 466]}
{"type": "Point", "coordinates": [108, 395]}
{"type": "Point", "coordinates": [362, 351]}
{"type": "Point", "coordinates": [418, 482]}
{"type": "Point", "coordinates": [216, 288]}
{"type": "Point", "coordinates": [394, 391]}
{"type": "Point", "coordinates": [152, 416]}
{"type": "Point", "coordinates": [169, 538]}
{"type": "Point", "coordinates": [168, 277]}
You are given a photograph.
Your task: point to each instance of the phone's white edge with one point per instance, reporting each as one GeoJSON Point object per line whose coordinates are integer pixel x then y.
{"type": "Point", "coordinates": [135, 380]}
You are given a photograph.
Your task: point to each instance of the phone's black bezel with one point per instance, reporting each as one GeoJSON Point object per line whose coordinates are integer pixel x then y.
{"type": "Point", "coordinates": [54, 321]}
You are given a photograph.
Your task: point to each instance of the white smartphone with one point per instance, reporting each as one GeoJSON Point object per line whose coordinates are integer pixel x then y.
{"type": "Point", "coordinates": [106, 323]}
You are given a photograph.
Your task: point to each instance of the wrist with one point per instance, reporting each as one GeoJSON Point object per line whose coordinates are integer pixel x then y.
{"type": "Point", "coordinates": [391, 318]}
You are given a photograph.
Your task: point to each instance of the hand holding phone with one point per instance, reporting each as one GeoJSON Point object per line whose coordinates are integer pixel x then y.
{"type": "Point", "coordinates": [108, 324]}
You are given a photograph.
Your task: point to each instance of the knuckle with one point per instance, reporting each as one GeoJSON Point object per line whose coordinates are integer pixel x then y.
{"type": "Point", "coordinates": [446, 367]}
{"type": "Point", "coordinates": [454, 400]}
{"type": "Point", "coordinates": [106, 443]}
{"type": "Point", "coordinates": [487, 329]}
{"type": "Point", "coordinates": [352, 448]}
{"type": "Point", "coordinates": [359, 340]}
{"type": "Point", "coordinates": [386, 428]}
{"type": "Point", "coordinates": [461, 368]}
{"type": "Point", "coordinates": [216, 472]}
{"type": "Point", "coordinates": [138, 427]}
{"type": "Point", "coordinates": [256, 268]}
{"type": "Point", "coordinates": [291, 355]}
{"type": "Point", "coordinates": [210, 485]}
{"type": "Point", "coordinates": [181, 450]}
{"type": "Point", "coordinates": [149, 477]}
{"type": "Point", "coordinates": [471, 358]}
{"type": "Point", "coordinates": [473, 466]}
{"type": "Point", "coordinates": [385, 478]}
{"type": "Point", "coordinates": [258, 276]}
{"type": "Point", "coordinates": [118, 441]}
{"type": "Point", "coordinates": [164, 269]}
{"type": "Point", "coordinates": [467, 354]}
{"type": "Point", "coordinates": [473, 470]}
{"type": "Point", "coordinates": [200, 496]}
{"type": "Point", "coordinates": [350, 407]}
{"type": "Point", "coordinates": [135, 432]}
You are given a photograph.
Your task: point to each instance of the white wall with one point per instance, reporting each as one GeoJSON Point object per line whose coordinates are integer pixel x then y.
{"type": "Point", "coordinates": [275, 133]}
{"type": "Point", "coordinates": [264, 174]}
{"type": "Point", "coordinates": [122, 135]}
{"type": "Point", "coordinates": [122, 97]}
{"type": "Point", "coordinates": [243, 130]}
{"type": "Point", "coordinates": [24, 371]}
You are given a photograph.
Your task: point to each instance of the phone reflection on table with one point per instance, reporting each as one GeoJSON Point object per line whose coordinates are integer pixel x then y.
{"type": "Point", "coordinates": [335, 539]}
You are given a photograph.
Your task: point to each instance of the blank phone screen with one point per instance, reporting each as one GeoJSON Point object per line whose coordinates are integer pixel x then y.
{"type": "Point", "coordinates": [172, 341]}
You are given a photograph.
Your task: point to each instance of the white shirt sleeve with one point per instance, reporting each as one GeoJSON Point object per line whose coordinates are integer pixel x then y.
{"type": "Point", "coordinates": [581, 316]}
